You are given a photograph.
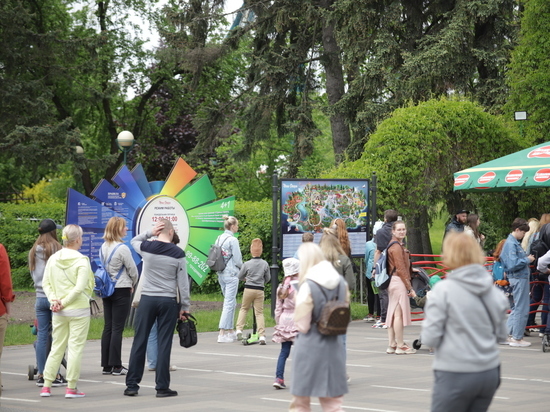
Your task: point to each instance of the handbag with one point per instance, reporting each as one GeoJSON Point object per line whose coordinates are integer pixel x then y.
{"type": "Point", "coordinates": [94, 307]}
{"type": "Point", "coordinates": [187, 331]}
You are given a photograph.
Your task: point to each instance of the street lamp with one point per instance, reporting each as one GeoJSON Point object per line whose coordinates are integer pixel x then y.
{"type": "Point", "coordinates": [125, 142]}
{"type": "Point", "coordinates": [520, 116]}
{"type": "Point", "coordinates": [79, 150]}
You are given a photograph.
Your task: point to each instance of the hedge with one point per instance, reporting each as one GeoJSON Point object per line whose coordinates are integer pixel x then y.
{"type": "Point", "coordinates": [19, 230]}
{"type": "Point", "coordinates": [19, 223]}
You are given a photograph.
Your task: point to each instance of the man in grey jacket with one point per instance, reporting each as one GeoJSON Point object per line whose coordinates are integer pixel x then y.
{"type": "Point", "coordinates": [166, 277]}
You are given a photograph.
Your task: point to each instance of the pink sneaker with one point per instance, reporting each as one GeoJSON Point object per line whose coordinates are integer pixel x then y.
{"type": "Point", "coordinates": [46, 392]}
{"type": "Point", "coordinates": [74, 393]}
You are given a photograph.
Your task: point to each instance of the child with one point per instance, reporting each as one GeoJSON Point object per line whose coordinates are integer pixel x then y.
{"type": "Point", "coordinates": [285, 331]}
{"type": "Point", "coordinates": [256, 274]}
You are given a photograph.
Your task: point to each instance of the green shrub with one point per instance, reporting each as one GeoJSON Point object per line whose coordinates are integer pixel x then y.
{"type": "Point", "coordinates": [18, 231]}
{"type": "Point", "coordinates": [254, 222]}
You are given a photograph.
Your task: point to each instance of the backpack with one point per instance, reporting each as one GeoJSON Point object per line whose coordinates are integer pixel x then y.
{"type": "Point", "coordinates": [104, 285]}
{"type": "Point", "coordinates": [381, 277]}
{"type": "Point", "coordinates": [539, 248]}
{"type": "Point", "coordinates": [498, 271]}
{"type": "Point", "coordinates": [335, 315]}
{"type": "Point", "coordinates": [215, 259]}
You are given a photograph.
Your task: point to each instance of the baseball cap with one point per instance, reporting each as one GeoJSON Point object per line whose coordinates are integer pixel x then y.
{"type": "Point", "coordinates": [47, 225]}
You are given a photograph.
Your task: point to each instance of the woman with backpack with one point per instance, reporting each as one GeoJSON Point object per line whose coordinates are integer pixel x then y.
{"type": "Point", "coordinates": [399, 291]}
{"type": "Point", "coordinates": [118, 261]}
{"type": "Point", "coordinates": [319, 361]}
{"type": "Point", "coordinates": [228, 279]}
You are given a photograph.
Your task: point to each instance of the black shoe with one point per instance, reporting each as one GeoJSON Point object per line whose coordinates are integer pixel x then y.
{"type": "Point", "coordinates": [59, 381]}
{"type": "Point", "coordinates": [164, 393]}
{"type": "Point", "coordinates": [107, 370]}
{"type": "Point", "coordinates": [40, 382]}
{"type": "Point", "coordinates": [131, 392]}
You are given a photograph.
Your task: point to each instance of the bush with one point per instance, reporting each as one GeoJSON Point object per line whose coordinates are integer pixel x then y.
{"type": "Point", "coordinates": [254, 222]}
{"type": "Point", "coordinates": [18, 231]}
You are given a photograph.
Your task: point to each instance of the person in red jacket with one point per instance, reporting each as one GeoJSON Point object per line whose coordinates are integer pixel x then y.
{"type": "Point", "coordinates": [6, 297]}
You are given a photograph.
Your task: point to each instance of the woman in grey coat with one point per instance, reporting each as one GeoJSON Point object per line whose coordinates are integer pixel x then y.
{"type": "Point", "coordinates": [319, 362]}
{"type": "Point", "coordinates": [465, 318]}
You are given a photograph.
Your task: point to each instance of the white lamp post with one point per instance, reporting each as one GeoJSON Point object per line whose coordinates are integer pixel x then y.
{"type": "Point", "coordinates": [521, 117]}
{"type": "Point", "coordinates": [125, 142]}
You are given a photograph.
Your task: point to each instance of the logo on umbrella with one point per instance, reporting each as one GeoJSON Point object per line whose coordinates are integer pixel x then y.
{"type": "Point", "coordinates": [460, 180]}
{"type": "Point", "coordinates": [542, 175]}
{"type": "Point", "coordinates": [487, 177]}
{"type": "Point", "coordinates": [513, 176]}
{"type": "Point", "coordinates": [540, 152]}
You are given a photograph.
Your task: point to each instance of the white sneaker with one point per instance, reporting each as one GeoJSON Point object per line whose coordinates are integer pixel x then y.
{"type": "Point", "coordinates": [173, 368]}
{"type": "Point", "coordinates": [239, 335]}
{"type": "Point", "coordinates": [519, 343]}
{"type": "Point", "coordinates": [262, 340]}
{"type": "Point", "coordinates": [232, 335]}
{"type": "Point", "coordinates": [225, 339]}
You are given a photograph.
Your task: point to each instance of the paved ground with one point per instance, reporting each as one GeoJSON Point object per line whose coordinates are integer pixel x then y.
{"type": "Point", "coordinates": [233, 377]}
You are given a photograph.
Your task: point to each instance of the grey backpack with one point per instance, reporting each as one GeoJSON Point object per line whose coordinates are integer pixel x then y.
{"type": "Point", "coordinates": [215, 259]}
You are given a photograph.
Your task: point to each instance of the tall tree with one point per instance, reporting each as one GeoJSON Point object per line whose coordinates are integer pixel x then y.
{"type": "Point", "coordinates": [529, 75]}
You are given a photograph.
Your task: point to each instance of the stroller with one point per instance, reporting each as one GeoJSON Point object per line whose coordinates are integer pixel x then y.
{"type": "Point", "coordinates": [33, 370]}
{"type": "Point", "coordinates": [421, 285]}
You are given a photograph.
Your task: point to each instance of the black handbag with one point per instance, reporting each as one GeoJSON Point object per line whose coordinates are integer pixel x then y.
{"type": "Point", "coordinates": [187, 331]}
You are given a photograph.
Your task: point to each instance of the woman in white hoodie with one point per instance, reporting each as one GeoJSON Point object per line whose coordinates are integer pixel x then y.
{"type": "Point", "coordinates": [319, 361]}
{"type": "Point", "coordinates": [465, 318]}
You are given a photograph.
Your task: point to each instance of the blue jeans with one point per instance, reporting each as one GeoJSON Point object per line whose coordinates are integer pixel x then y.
{"type": "Point", "coordinates": [229, 285]}
{"type": "Point", "coordinates": [281, 362]}
{"type": "Point", "coordinates": [518, 318]}
{"type": "Point", "coordinates": [44, 332]}
{"type": "Point", "coordinates": [153, 347]}
{"type": "Point", "coordinates": [165, 311]}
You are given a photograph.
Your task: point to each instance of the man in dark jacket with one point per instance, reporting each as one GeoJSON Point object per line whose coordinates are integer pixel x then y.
{"type": "Point", "coordinates": [457, 224]}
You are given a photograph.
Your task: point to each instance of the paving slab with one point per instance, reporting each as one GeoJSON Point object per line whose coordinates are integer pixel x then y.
{"type": "Point", "coordinates": [234, 377]}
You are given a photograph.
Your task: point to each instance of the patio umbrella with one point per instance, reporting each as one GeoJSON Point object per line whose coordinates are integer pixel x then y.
{"type": "Point", "coordinates": [526, 169]}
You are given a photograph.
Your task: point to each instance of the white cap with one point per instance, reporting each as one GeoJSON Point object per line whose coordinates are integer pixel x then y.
{"type": "Point", "coordinates": [291, 266]}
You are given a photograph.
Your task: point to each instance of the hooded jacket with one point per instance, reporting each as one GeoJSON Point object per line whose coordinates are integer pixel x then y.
{"type": "Point", "coordinates": [324, 274]}
{"type": "Point", "coordinates": [454, 225]}
{"type": "Point", "coordinates": [68, 277]}
{"type": "Point", "coordinates": [38, 273]}
{"type": "Point", "coordinates": [465, 318]}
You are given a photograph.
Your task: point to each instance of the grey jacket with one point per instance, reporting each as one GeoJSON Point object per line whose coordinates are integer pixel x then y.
{"type": "Point", "coordinates": [129, 276]}
{"type": "Point", "coordinates": [463, 330]}
{"type": "Point", "coordinates": [166, 269]}
{"type": "Point", "coordinates": [256, 273]}
{"type": "Point", "coordinates": [38, 272]}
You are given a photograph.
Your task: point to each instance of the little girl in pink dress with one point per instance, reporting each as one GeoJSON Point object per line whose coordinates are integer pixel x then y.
{"type": "Point", "coordinates": [285, 331]}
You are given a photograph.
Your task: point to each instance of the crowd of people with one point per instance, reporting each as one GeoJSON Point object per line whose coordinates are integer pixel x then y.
{"type": "Point", "coordinates": [464, 307]}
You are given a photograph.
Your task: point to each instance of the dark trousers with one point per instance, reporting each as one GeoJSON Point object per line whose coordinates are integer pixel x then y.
{"type": "Point", "coordinates": [115, 311]}
{"type": "Point", "coordinates": [384, 300]}
{"type": "Point", "coordinates": [373, 302]}
{"type": "Point", "coordinates": [165, 311]}
{"type": "Point", "coordinates": [281, 362]}
{"type": "Point", "coordinates": [464, 392]}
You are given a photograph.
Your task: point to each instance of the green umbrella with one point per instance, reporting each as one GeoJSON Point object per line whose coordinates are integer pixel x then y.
{"type": "Point", "coordinates": [526, 169]}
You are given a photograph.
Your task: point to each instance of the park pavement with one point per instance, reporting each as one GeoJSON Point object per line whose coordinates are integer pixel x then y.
{"type": "Point", "coordinates": [233, 377]}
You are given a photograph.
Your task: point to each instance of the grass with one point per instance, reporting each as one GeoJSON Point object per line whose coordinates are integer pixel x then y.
{"type": "Point", "coordinates": [207, 321]}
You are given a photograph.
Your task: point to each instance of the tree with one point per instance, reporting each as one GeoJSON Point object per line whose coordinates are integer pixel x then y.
{"type": "Point", "coordinates": [529, 75]}
{"type": "Point", "coordinates": [415, 152]}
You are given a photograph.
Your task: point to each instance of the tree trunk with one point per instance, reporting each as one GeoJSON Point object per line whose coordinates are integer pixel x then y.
{"type": "Point", "coordinates": [341, 136]}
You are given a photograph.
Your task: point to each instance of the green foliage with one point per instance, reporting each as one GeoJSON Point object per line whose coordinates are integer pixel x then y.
{"type": "Point", "coordinates": [416, 151]}
{"type": "Point", "coordinates": [254, 222]}
{"type": "Point", "coordinates": [529, 75]}
{"type": "Point", "coordinates": [18, 231]}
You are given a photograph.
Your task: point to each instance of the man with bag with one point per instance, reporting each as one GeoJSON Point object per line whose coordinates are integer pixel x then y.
{"type": "Point", "coordinates": [166, 275]}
